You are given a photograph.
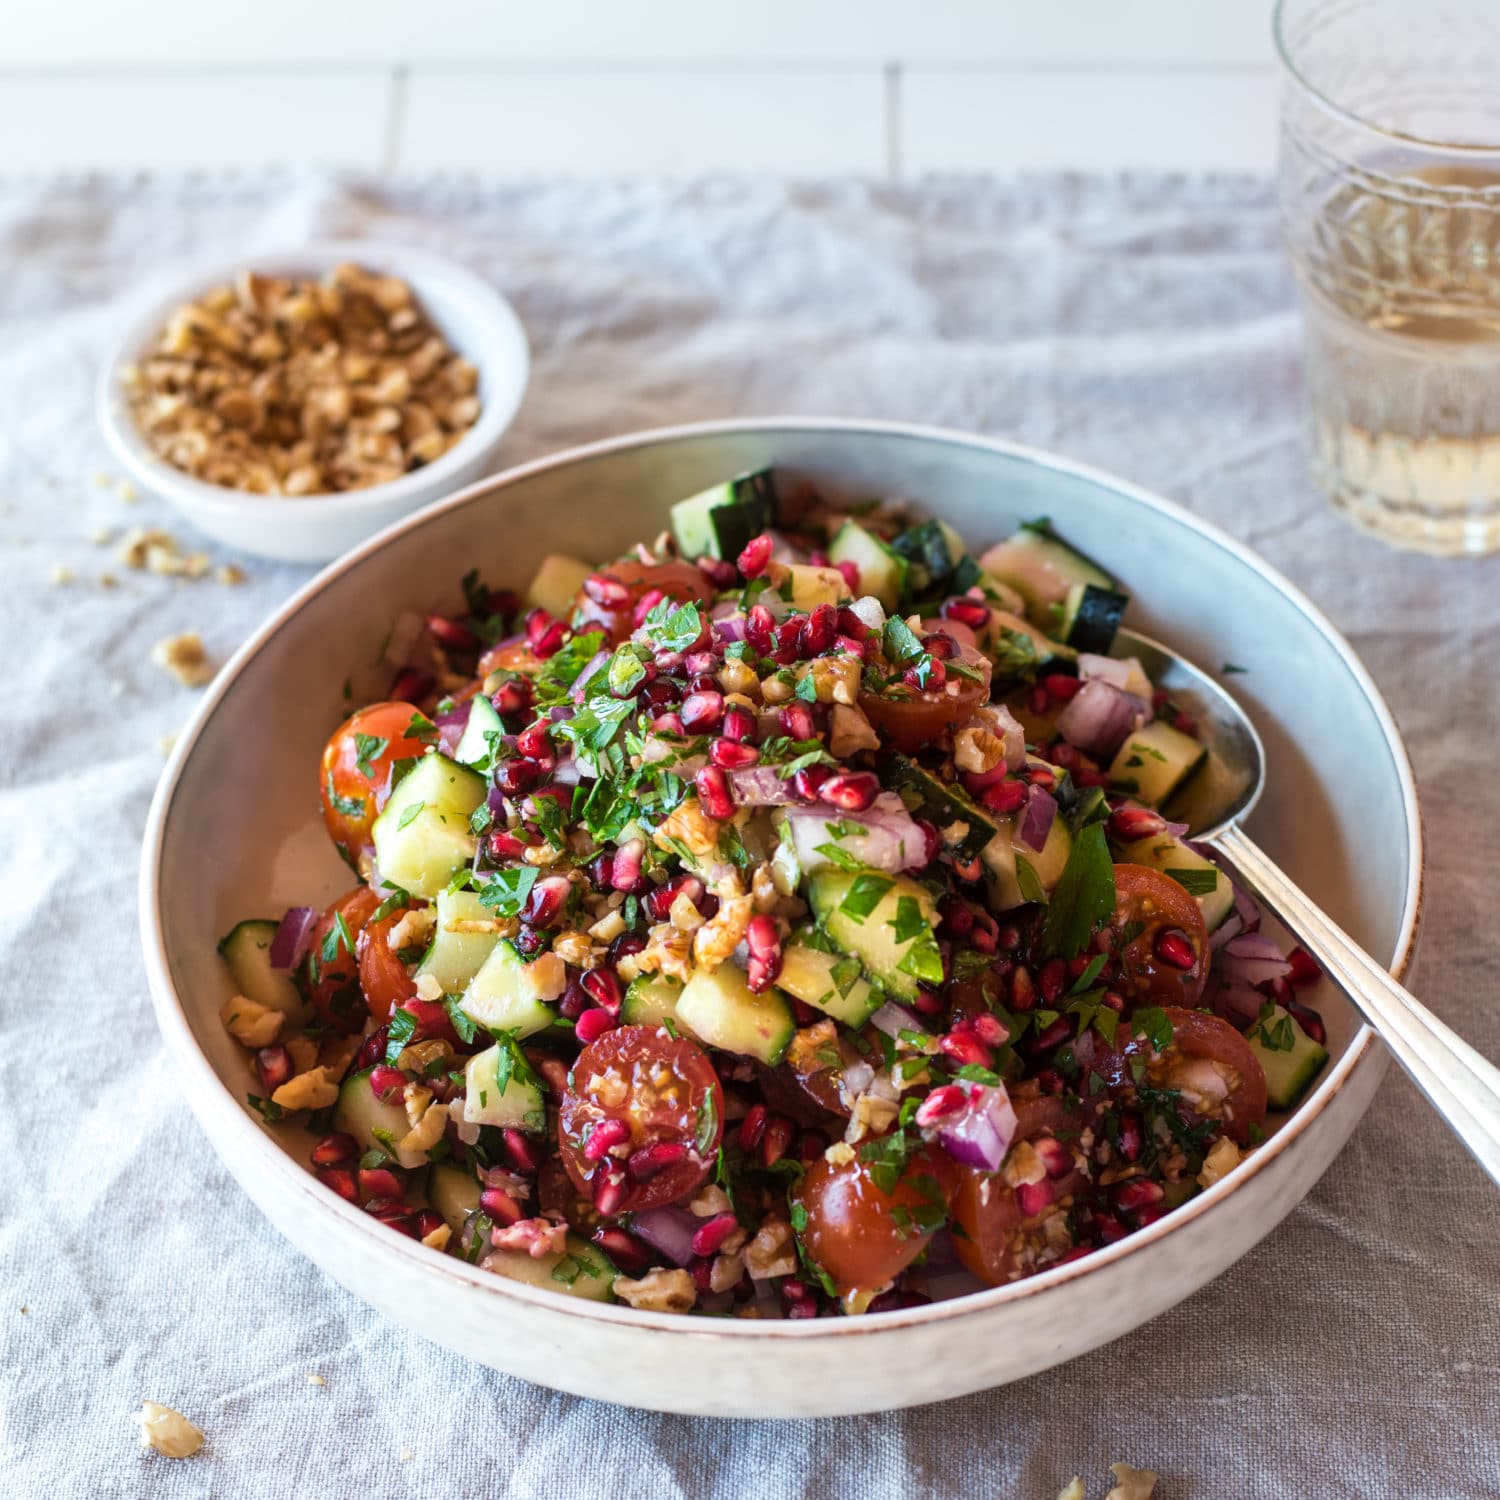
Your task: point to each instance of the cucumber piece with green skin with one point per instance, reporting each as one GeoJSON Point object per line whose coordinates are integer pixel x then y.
{"type": "Point", "coordinates": [943, 804]}
{"type": "Point", "coordinates": [1291, 1065]}
{"type": "Point", "coordinates": [829, 982]}
{"type": "Point", "coordinates": [454, 1193]}
{"type": "Point", "coordinates": [881, 571]}
{"type": "Point", "coordinates": [721, 1010]}
{"type": "Point", "coordinates": [422, 834]}
{"type": "Point", "coordinates": [473, 748]}
{"type": "Point", "coordinates": [808, 587]}
{"type": "Point", "coordinates": [454, 958]}
{"type": "Point", "coordinates": [376, 1124]}
{"type": "Point", "coordinates": [1007, 884]}
{"type": "Point", "coordinates": [932, 552]}
{"type": "Point", "coordinates": [1004, 627]}
{"type": "Point", "coordinates": [519, 1103]}
{"type": "Point", "coordinates": [1091, 616]}
{"type": "Point", "coordinates": [720, 521]}
{"type": "Point", "coordinates": [1170, 855]}
{"type": "Point", "coordinates": [509, 994]}
{"type": "Point", "coordinates": [246, 949]}
{"type": "Point", "coordinates": [582, 1270]}
{"type": "Point", "coordinates": [1041, 568]}
{"type": "Point", "coordinates": [863, 914]}
{"type": "Point", "coordinates": [651, 1000]}
{"type": "Point", "coordinates": [556, 584]}
{"type": "Point", "coordinates": [1154, 762]}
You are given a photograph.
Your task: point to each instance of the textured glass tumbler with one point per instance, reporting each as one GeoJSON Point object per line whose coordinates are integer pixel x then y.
{"type": "Point", "coordinates": [1390, 200]}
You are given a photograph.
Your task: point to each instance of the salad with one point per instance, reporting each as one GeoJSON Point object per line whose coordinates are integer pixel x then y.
{"type": "Point", "coordinates": [785, 919]}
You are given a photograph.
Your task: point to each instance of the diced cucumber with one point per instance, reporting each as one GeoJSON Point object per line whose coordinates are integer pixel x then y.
{"type": "Point", "coordinates": [651, 1000]}
{"type": "Point", "coordinates": [943, 804]}
{"type": "Point", "coordinates": [486, 1103]}
{"type": "Point", "coordinates": [1003, 626]}
{"type": "Point", "coordinates": [808, 587]}
{"type": "Point", "coordinates": [376, 1124]}
{"type": "Point", "coordinates": [932, 550]}
{"type": "Point", "coordinates": [509, 994]}
{"type": "Point", "coordinates": [1007, 884]}
{"type": "Point", "coordinates": [1154, 761]}
{"type": "Point", "coordinates": [1091, 616]}
{"type": "Point", "coordinates": [453, 1192]}
{"type": "Point", "coordinates": [830, 982]}
{"type": "Point", "coordinates": [473, 748]}
{"type": "Point", "coordinates": [720, 1009]}
{"type": "Point", "coordinates": [1290, 1069]}
{"type": "Point", "coordinates": [861, 913]}
{"type": "Point", "coordinates": [556, 584]}
{"type": "Point", "coordinates": [850, 841]}
{"type": "Point", "coordinates": [720, 521]}
{"type": "Point", "coordinates": [881, 571]}
{"type": "Point", "coordinates": [1001, 595]}
{"type": "Point", "coordinates": [422, 834]}
{"type": "Point", "coordinates": [582, 1270]}
{"type": "Point", "coordinates": [1174, 858]}
{"type": "Point", "coordinates": [247, 951]}
{"type": "Point", "coordinates": [1041, 568]}
{"type": "Point", "coordinates": [454, 958]}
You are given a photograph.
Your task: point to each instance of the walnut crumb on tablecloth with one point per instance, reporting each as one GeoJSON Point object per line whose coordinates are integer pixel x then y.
{"type": "Point", "coordinates": [168, 1431]}
{"type": "Point", "coordinates": [316, 1380]}
{"type": "Point", "coordinates": [184, 657]}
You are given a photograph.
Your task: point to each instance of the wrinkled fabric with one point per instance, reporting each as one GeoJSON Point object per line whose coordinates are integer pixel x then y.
{"type": "Point", "coordinates": [1144, 324]}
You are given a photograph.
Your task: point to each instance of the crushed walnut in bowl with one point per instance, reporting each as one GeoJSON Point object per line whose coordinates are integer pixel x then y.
{"type": "Point", "coordinates": [295, 403]}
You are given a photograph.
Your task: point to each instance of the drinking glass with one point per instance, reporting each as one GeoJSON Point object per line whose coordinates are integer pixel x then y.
{"type": "Point", "coordinates": [1390, 201]}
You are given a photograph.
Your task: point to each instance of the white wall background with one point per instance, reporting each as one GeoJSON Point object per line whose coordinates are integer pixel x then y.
{"type": "Point", "coordinates": [585, 86]}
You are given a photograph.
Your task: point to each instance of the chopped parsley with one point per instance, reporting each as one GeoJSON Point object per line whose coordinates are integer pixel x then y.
{"type": "Point", "coordinates": [673, 626]}
{"type": "Point", "coordinates": [506, 890]}
{"type": "Point", "coordinates": [864, 895]}
{"type": "Point", "coordinates": [368, 748]}
{"type": "Point", "coordinates": [338, 933]}
{"type": "Point", "coordinates": [347, 807]}
{"type": "Point", "coordinates": [410, 815]}
{"type": "Point", "coordinates": [1084, 897]}
{"type": "Point", "coordinates": [1196, 882]}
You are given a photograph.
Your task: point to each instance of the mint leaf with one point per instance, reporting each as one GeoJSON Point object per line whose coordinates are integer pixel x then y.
{"type": "Point", "coordinates": [1084, 897]}
{"type": "Point", "coordinates": [900, 642]}
{"type": "Point", "coordinates": [367, 749]}
{"type": "Point", "coordinates": [1196, 882]}
{"type": "Point", "coordinates": [403, 1027]}
{"type": "Point", "coordinates": [506, 890]}
{"type": "Point", "coordinates": [674, 627]}
{"type": "Point", "coordinates": [864, 895]}
{"type": "Point", "coordinates": [410, 815]}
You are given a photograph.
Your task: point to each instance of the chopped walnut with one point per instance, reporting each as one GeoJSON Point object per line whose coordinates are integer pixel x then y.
{"type": "Point", "coordinates": [418, 1057]}
{"type": "Point", "coordinates": [976, 749]}
{"type": "Point", "coordinates": [708, 1201]}
{"type": "Point", "coordinates": [429, 987]}
{"type": "Point", "coordinates": [229, 575]}
{"type": "Point", "coordinates": [438, 1239]}
{"type": "Point", "coordinates": [871, 1115]}
{"type": "Point", "coordinates": [667, 951]}
{"type": "Point", "coordinates": [1132, 1484]}
{"type": "Point", "coordinates": [62, 574]}
{"type": "Point", "coordinates": [763, 892]}
{"type": "Point", "coordinates": [803, 1050]}
{"type": "Point", "coordinates": [336, 1052]}
{"type": "Point", "coordinates": [726, 1273]}
{"type": "Point", "coordinates": [771, 1252]}
{"type": "Point", "coordinates": [414, 927]}
{"type": "Point", "coordinates": [304, 1052]}
{"type": "Point", "coordinates": [427, 1131]}
{"type": "Point", "coordinates": [251, 1023]}
{"type": "Point", "coordinates": [836, 679]}
{"type": "Point", "coordinates": [839, 1154]}
{"type": "Point", "coordinates": [658, 1291]}
{"type": "Point", "coordinates": [536, 1237]}
{"type": "Point", "coordinates": [723, 932]}
{"type": "Point", "coordinates": [159, 552]}
{"type": "Point", "coordinates": [850, 731]}
{"type": "Point", "coordinates": [184, 657]}
{"type": "Point", "coordinates": [690, 826]}
{"type": "Point", "coordinates": [1023, 1165]}
{"type": "Point", "coordinates": [1222, 1159]}
{"type": "Point", "coordinates": [168, 1431]}
{"type": "Point", "coordinates": [1072, 1490]}
{"type": "Point", "coordinates": [313, 1089]}
{"type": "Point", "coordinates": [684, 914]}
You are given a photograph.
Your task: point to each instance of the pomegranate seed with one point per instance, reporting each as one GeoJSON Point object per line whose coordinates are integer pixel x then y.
{"type": "Point", "coordinates": [756, 554]}
{"type": "Point", "coordinates": [605, 590]}
{"type": "Point", "coordinates": [1003, 796]}
{"type": "Point", "coordinates": [609, 1191]}
{"type": "Point", "coordinates": [410, 686]}
{"type": "Point", "coordinates": [273, 1066]}
{"type": "Point", "coordinates": [1053, 979]}
{"type": "Point", "coordinates": [538, 623]}
{"type": "Point", "coordinates": [939, 1104]}
{"type": "Point", "coordinates": [604, 1137]}
{"type": "Point", "coordinates": [796, 721]}
{"type": "Point", "coordinates": [761, 974]}
{"type": "Point", "coordinates": [604, 989]}
{"type": "Point", "coordinates": [341, 1181]}
{"type": "Point", "coordinates": [939, 645]}
{"type": "Point", "coordinates": [1052, 1036]}
{"type": "Point", "coordinates": [1137, 1193]}
{"type": "Point", "coordinates": [1033, 1197]}
{"type": "Point", "coordinates": [718, 572]}
{"type": "Point", "coordinates": [702, 711]}
{"type": "Point", "coordinates": [760, 626]}
{"type": "Point", "coordinates": [670, 724]}
{"type": "Point", "coordinates": [625, 867]}
{"type": "Point", "coordinates": [701, 664]}
{"type": "Point", "coordinates": [1150, 1214]}
{"type": "Point", "coordinates": [1040, 700]}
{"type": "Point", "coordinates": [811, 1144]}
{"type": "Point", "coordinates": [512, 697]}
{"type": "Point", "coordinates": [379, 1182]}
{"type": "Point", "coordinates": [851, 627]}
{"type": "Point", "coordinates": [1022, 989]}
{"type": "Point", "coordinates": [850, 570]}
{"type": "Point", "coordinates": [659, 902]}
{"type": "Point", "coordinates": [1174, 948]}
{"type": "Point", "coordinates": [593, 1024]}
{"type": "Point", "coordinates": [1061, 686]}
{"type": "Point", "coordinates": [373, 1049]}
{"type": "Point", "coordinates": [659, 693]}
{"type": "Point", "coordinates": [788, 641]}
{"type": "Point", "coordinates": [928, 1001]}
{"type": "Point", "coordinates": [965, 1048]}
{"type": "Point", "coordinates": [762, 938]}
{"type": "Point", "coordinates": [545, 900]}
{"type": "Point", "coordinates": [701, 1269]}
{"type": "Point", "coordinates": [713, 793]}
{"type": "Point", "coordinates": [739, 724]}
{"type": "Point", "coordinates": [1127, 824]}
{"type": "Point", "coordinates": [797, 1291]}
{"type": "Point", "coordinates": [627, 1252]}
{"type": "Point", "coordinates": [386, 1083]}
{"type": "Point", "coordinates": [777, 1137]}
{"type": "Point", "coordinates": [985, 936]}
{"type": "Point", "coordinates": [1130, 1138]}
{"type": "Point", "coordinates": [818, 630]}
{"type": "Point", "coordinates": [1056, 1157]}
{"type": "Point", "coordinates": [334, 1149]}
{"type": "Point", "coordinates": [1114, 1000]}
{"type": "Point", "coordinates": [623, 947]}
{"type": "Point", "coordinates": [1109, 1229]}
{"type": "Point", "coordinates": [393, 1215]}
{"type": "Point", "coordinates": [521, 1152]}
{"type": "Point", "coordinates": [644, 605]}
{"type": "Point", "coordinates": [533, 741]}
{"type": "Point", "coordinates": [809, 782]}
{"type": "Point", "coordinates": [930, 677]}
{"type": "Point", "coordinates": [499, 1206]}
{"type": "Point", "coordinates": [512, 777]}
{"type": "Point", "coordinates": [1305, 968]}
{"type": "Point", "coordinates": [713, 1232]}
{"type": "Point", "coordinates": [932, 840]}
{"type": "Point", "coordinates": [429, 1221]}
{"type": "Point", "coordinates": [1309, 1020]}
{"type": "Point", "coordinates": [1008, 937]}
{"type": "Point", "coordinates": [990, 1030]}
{"type": "Point", "coordinates": [957, 918]}
{"type": "Point", "coordinates": [451, 634]}
{"type": "Point", "coordinates": [732, 755]}
{"type": "Point", "coordinates": [645, 1163]}
{"type": "Point", "coordinates": [551, 640]}
{"type": "Point", "coordinates": [852, 791]}
{"type": "Point", "coordinates": [968, 612]}
{"type": "Point", "coordinates": [503, 844]}
{"type": "Point", "coordinates": [753, 1127]}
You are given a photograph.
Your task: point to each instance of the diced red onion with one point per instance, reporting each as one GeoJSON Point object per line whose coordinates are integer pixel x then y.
{"type": "Point", "coordinates": [1095, 668]}
{"type": "Point", "coordinates": [1248, 910]}
{"type": "Point", "coordinates": [495, 800]}
{"type": "Point", "coordinates": [890, 839]}
{"type": "Point", "coordinates": [1230, 927]}
{"type": "Point", "coordinates": [1037, 819]}
{"type": "Point", "coordinates": [869, 611]}
{"type": "Point", "coordinates": [761, 786]}
{"type": "Point", "coordinates": [670, 1230]}
{"type": "Point", "coordinates": [893, 1018]}
{"type": "Point", "coordinates": [451, 725]}
{"type": "Point", "coordinates": [289, 946]}
{"type": "Point", "coordinates": [1251, 958]}
{"type": "Point", "coordinates": [567, 772]}
{"type": "Point", "coordinates": [980, 1134]}
{"type": "Point", "coordinates": [591, 668]}
{"type": "Point", "coordinates": [857, 1078]}
{"type": "Point", "coordinates": [1237, 1002]}
{"type": "Point", "coordinates": [1097, 719]}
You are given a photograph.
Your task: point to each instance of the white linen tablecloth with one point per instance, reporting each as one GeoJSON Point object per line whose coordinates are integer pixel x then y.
{"type": "Point", "coordinates": [1145, 324]}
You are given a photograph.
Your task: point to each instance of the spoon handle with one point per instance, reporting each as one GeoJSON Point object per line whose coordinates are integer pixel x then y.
{"type": "Point", "coordinates": [1461, 1084]}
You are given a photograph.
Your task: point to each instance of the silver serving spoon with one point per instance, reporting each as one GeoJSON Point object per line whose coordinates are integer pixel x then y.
{"type": "Point", "coordinates": [1462, 1086]}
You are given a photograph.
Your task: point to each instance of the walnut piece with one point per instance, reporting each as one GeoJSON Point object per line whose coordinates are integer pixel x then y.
{"type": "Point", "coordinates": [658, 1291]}
{"type": "Point", "coordinates": [1132, 1484]}
{"type": "Point", "coordinates": [184, 657]}
{"type": "Point", "coordinates": [250, 1023]}
{"type": "Point", "coordinates": [168, 1431]}
{"type": "Point", "coordinates": [314, 1089]}
{"type": "Point", "coordinates": [1222, 1159]}
{"type": "Point", "coordinates": [770, 1253]}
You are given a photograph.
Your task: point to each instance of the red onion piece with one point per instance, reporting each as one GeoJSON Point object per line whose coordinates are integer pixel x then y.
{"type": "Point", "coordinates": [1231, 926]}
{"type": "Point", "coordinates": [981, 1133]}
{"type": "Point", "coordinates": [890, 839]}
{"type": "Point", "coordinates": [1037, 819]}
{"type": "Point", "coordinates": [1237, 1002]}
{"type": "Point", "coordinates": [670, 1230]}
{"type": "Point", "coordinates": [451, 725]}
{"type": "Point", "coordinates": [1095, 668]}
{"type": "Point", "coordinates": [893, 1018]}
{"type": "Point", "coordinates": [1097, 719]}
{"type": "Point", "coordinates": [567, 772]}
{"type": "Point", "coordinates": [761, 786]}
{"type": "Point", "coordinates": [1251, 958]}
{"type": "Point", "coordinates": [581, 682]}
{"type": "Point", "coordinates": [289, 946]}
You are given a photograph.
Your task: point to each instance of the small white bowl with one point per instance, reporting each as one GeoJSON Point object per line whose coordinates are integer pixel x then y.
{"type": "Point", "coordinates": [474, 318]}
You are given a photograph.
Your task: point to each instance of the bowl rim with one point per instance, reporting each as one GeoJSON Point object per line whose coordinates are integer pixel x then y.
{"type": "Point", "coordinates": [211, 1095]}
{"type": "Point", "coordinates": [487, 309]}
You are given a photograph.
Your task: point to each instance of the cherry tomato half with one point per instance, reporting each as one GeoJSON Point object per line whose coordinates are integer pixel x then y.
{"type": "Point", "coordinates": [677, 580]}
{"type": "Point", "coordinates": [382, 975]}
{"type": "Point", "coordinates": [357, 763]}
{"type": "Point", "coordinates": [915, 720]}
{"type": "Point", "coordinates": [665, 1092]}
{"type": "Point", "coordinates": [862, 1235]}
{"type": "Point", "coordinates": [1157, 925]}
{"type": "Point", "coordinates": [333, 987]}
{"type": "Point", "coordinates": [1212, 1068]}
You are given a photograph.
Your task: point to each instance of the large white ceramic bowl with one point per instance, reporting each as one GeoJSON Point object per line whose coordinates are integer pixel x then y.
{"type": "Point", "coordinates": [235, 830]}
{"type": "Point", "coordinates": [474, 318]}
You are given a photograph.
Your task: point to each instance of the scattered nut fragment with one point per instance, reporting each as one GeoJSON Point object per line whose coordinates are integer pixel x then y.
{"type": "Point", "coordinates": [168, 1431]}
{"type": "Point", "coordinates": [316, 1380]}
{"type": "Point", "coordinates": [62, 574]}
{"type": "Point", "coordinates": [159, 552]}
{"type": "Point", "coordinates": [107, 580]}
{"type": "Point", "coordinates": [251, 1023]}
{"type": "Point", "coordinates": [1132, 1484]}
{"type": "Point", "coordinates": [302, 388]}
{"type": "Point", "coordinates": [438, 1239]}
{"type": "Point", "coordinates": [314, 1089]}
{"type": "Point", "coordinates": [658, 1291]}
{"type": "Point", "coordinates": [1072, 1490]}
{"type": "Point", "coordinates": [127, 492]}
{"type": "Point", "coordinates": [167, 744]}
{"type": "Point", "coordinates": [184, 657]}
{"type": "Point", "coordinates": [229, 574]}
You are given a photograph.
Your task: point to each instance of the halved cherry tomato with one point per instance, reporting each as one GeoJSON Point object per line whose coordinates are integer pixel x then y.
{"type": "Point", "coordinates": [1212, 1068]}
{"type": "Point", "coordinates": [862, 1235]}
{"type": "Point", "coordinates": [665, 1091]}
{"type": "Point", "coordinates": [382, 975]}
{"type": "Point", "coordinates": [986, 1209]}
{"type": "Point", "coordinates": [333, 987]}
{"type": "Point", "coordinates": [1154, 926]}
{"type": "Point", "coordinates": [510, 656]}
{"type": "Point", "coordinates": [917, 719]}
{"type": "Point", "coordinates": [679, 581]}
{"type": "Point", "coordinates": [357, 763]}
